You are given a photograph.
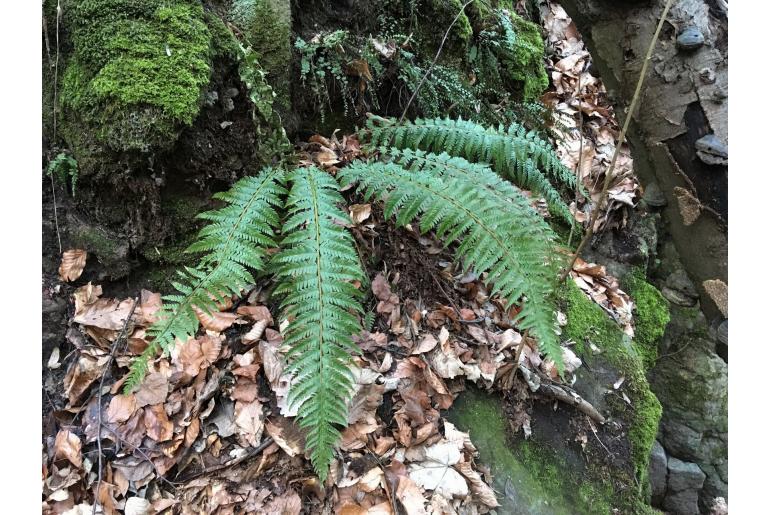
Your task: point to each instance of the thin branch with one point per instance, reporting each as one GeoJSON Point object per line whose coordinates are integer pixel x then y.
{"type": "Point", "coordinates": [253, 452]}
{"type": "Point", "coordinates": [433, 63]}
{"type": "Point", "coordinates": [621, 139]}
{"type": "Point", "coordinates": [115, 345]}
{"type": "Point", "coordinates": [579, 164]}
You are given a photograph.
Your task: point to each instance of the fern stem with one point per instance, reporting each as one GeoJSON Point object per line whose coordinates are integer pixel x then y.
{"type": "Point", "coordinates": [621, 139]}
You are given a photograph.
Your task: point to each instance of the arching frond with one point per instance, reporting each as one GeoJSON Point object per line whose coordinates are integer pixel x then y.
{"type": "Point", "coordinates": [316, 270]}
{"type": "Point", "coordinates": [499, 232]}
{"type": "Point", "coordinates": [513, 152]}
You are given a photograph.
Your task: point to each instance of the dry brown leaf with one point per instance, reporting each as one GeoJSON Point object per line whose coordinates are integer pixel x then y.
{"type": "Point", "coordinates": [73, 262]}
{"type": "Point", "coordinates": [360, 212]}
{"type": "Point", "coordinates": [108, 314]}
{"type": "Point", "coordinates": [81, 374]}
{"type": "Point", "coordinates": [216, 321]}
{"type": "Point", "coordinates": [255, 333]}
{"type": "Point", "coordinates": [289, 503]}
{"type": "Point", "coordinates": [157, 424]}
{"type": "Point", "coordinates": [249, 420]}
{"type": "Point", "coordinates": [480, 490]}
{"type": "Point", "coordinates": [256, 313]}
{"type": "Point", "coordinates": [67, 446]}
{"type": "Point", "coordinates": [121, 408]}
{"type": "Point", "coordinates": [153, 390]}
{"type": "Point", "coordinates": [287, 434]}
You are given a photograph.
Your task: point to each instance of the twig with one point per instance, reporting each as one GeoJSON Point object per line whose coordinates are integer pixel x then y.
{"type": "Point", "coordinates": [435, 59]}
{"type": "Point", "coordinates": [575, 400]}
{"type": "Point", "coordinates": [621, 139]}
{"type": "Point", "coordinates": [579, 164]}
{"type": "Point", "coordinates": [141, 453]}
{"type": "Point", "coordinates": [265, 443]}
{"type": "Point", "coordinates": [518, 352]}
{"type": "Point", "coordinates": [115, 345]}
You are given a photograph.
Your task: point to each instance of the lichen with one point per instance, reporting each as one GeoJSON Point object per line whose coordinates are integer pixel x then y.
{"type": "Point", "coordinates": [651, 316]}
{"type": "Point", "coordinates": [137, 70]}
{"type": "Point", "coordinates": [587, 322]}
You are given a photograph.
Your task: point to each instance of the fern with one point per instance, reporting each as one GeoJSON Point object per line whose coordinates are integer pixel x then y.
{"type": "Point", "coordinates": [316, 270]}
{"type": "Point", "coordinates": [515, 153]}
{"type": "Point", "coordinates": [234, 242]}
{"type": "Point", "coordinates": [503, 237]}
{"type": "Point", "coordinates": [319, 273]}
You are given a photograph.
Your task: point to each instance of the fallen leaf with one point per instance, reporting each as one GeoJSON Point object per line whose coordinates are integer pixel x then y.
{"type": "Point", "coordinates": [137, 506]}
{"type": "Point", "coordinates": [250, 421]}
{"type": "Point", "coordinates": [216, 321]}
{"type": "Point", "coordinates": [121, 408]}
{"type": "Point", "coordinates": [67, 446]}
{"type": "Point", "coordinates": [158, 426]}
{"type": "Point", "coordinates": [360, 212]}
{"type": "Point", "coordinates": [153, 390]}
{"type": "Point", "coordinates": [73, 262]}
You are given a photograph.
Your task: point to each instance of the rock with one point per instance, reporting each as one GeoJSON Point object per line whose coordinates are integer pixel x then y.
{"type": "Point", "coordinates": [711, 150]}
{"type": "Point", "coordinates": [678, 298]}
{"type": "Point", "coordinates": [210, 98]}
{"type": "Point", "coordinates": [653, 196]}
{"type": "Point", "coordinates": [684, 476]}
{"type": "Point", "coordinates": [684, 482]}
{"type": "Point", "coordinates": [230, 93]}
{"type": "Point", "coordinates": [680, 281]}
{"type": "Point", "coordinates": [658, 473]}
{"type": "Point", "coordinates": [691, 38]}
{"type": "Point", "coordinates": [682, 503]}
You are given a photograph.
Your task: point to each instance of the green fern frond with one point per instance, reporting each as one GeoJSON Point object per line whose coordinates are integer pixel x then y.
{"type": "Point", "coordinates": [501, 233]}
{"type": "Point", "coordinates": [515, 153]}
{"type": "Point", "coordinates": [233, 242]}
{"type": "Point", "coordinates": [316, 269]}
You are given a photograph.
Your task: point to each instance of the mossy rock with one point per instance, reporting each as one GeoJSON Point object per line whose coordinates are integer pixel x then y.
{"type": "Point", "coordinates": [543, 475]}
{"type": "Point", "coordinates": [616, 357]}
{"type": "Point", "coordinates": [136, 74]}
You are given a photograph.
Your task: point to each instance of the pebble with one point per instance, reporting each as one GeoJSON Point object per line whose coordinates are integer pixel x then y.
{"type": "Point", "coordinates": [690, 38]}
{"type": "Point", "coordinates": [678, 298]}
{"type": "Point", "coordinates": [711, 150]}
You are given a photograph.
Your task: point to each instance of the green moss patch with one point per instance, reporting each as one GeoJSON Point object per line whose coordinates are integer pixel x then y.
{"type": "Point", "coordinates": [138, 69]}
{"type": "Point", "coordinates": [651, 317]}
{"type": "Point", "coordinates": [587, 322]}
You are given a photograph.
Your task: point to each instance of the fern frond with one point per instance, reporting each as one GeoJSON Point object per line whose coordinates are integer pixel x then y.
{"type": "Point", "coordinates": [501, 233]}
{"type": "Point", "coordinates": [513, 152]}
{"type": "Point", "coordinates": [233, 242]}
{"type": "Point", "coordinates": [316, 269]}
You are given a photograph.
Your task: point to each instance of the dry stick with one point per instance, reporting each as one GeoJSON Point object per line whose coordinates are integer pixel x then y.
{"type": "Point", "coordinates": [253, 452]}
{"type": "Point", "coordinates": [115, 345]}
{"type": "Point", "coordinates": [433, 63]}
{"type": "Point", "coordinates": [579, 164]}
{"type": "Point", "coordinates": [621, 139]}
{"type": "Point", "coordinates": [55, 100]}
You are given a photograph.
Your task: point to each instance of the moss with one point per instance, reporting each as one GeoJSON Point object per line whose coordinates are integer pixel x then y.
{"type": "Point", "coordinates": [587, 322]}
{"type": "Point", "coordinates": [651, 317]}
{"type": "Point", "coordinates": [266, 25]}
{"type": "Point", "coordinates": [137, 71]}
{"type": "Point", "coordinates": [224, 45]}
{"type": "Point", "coordinates": [435, 18]}
{"type": "Point", "coordinates": [527, 66]}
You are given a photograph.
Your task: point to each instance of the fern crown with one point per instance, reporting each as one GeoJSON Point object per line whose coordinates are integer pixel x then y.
{"type": "Point", "coordinates": [470, 205]}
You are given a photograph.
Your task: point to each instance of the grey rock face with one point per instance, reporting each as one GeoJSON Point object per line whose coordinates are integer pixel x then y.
{"type": "Point", "coordinates": [653, 196]}
{"type": "Point", "coordinates": [658, 473]}
{"type": "Point", "coordinates": [684, 476]}
{"type": "Point", "coordinates": [711, 150]}
{"type": "Point", "coordinates": [684, 482]}
{"type": "Point", "coordinates": [691, 38]}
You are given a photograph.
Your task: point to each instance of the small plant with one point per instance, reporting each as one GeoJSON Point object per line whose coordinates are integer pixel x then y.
{"type": "Point", "coordinates": [63, 167]}
{"type": "Point", "coordinates": [496, 232]}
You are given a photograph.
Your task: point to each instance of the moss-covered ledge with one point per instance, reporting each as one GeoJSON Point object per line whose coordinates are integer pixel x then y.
{"type": "Point", "coordinates": [605, 348]}
{"type": "Point", "coordinates": [136, 74]}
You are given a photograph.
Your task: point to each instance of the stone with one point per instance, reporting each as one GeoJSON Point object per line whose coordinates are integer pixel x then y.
{"type": "Point", "coordinates": [678, 298]}
{"type": "Point", "coordinates": [210, 98]}
{"type": "Point", "coordinates": [683, 475]}
{"type": "Point", "coordinates": [680, 281]}
{"type": "Point", "coordinates": [722, 332]}
{"type": "Point", "coordinates": [682, 503]}
{"type": "Point", "coordinates": [658, 473]}
{"type": "Point", "coordinates": [653, 196]}
{"type": "Point", "coordinates": [691, 38]}
{"type": "Point", "coordinates": [711, 150]}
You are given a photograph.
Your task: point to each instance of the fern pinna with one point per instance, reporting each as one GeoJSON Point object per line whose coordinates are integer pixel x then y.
{"type": "Point", "coordinates": [494, 227]}
{"type": "Point", "coordinates": [315, 271]}
{"type": "Point", "coordinates": [513, 152]}
{"type": "Point", "coordinates": [233, 242]}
